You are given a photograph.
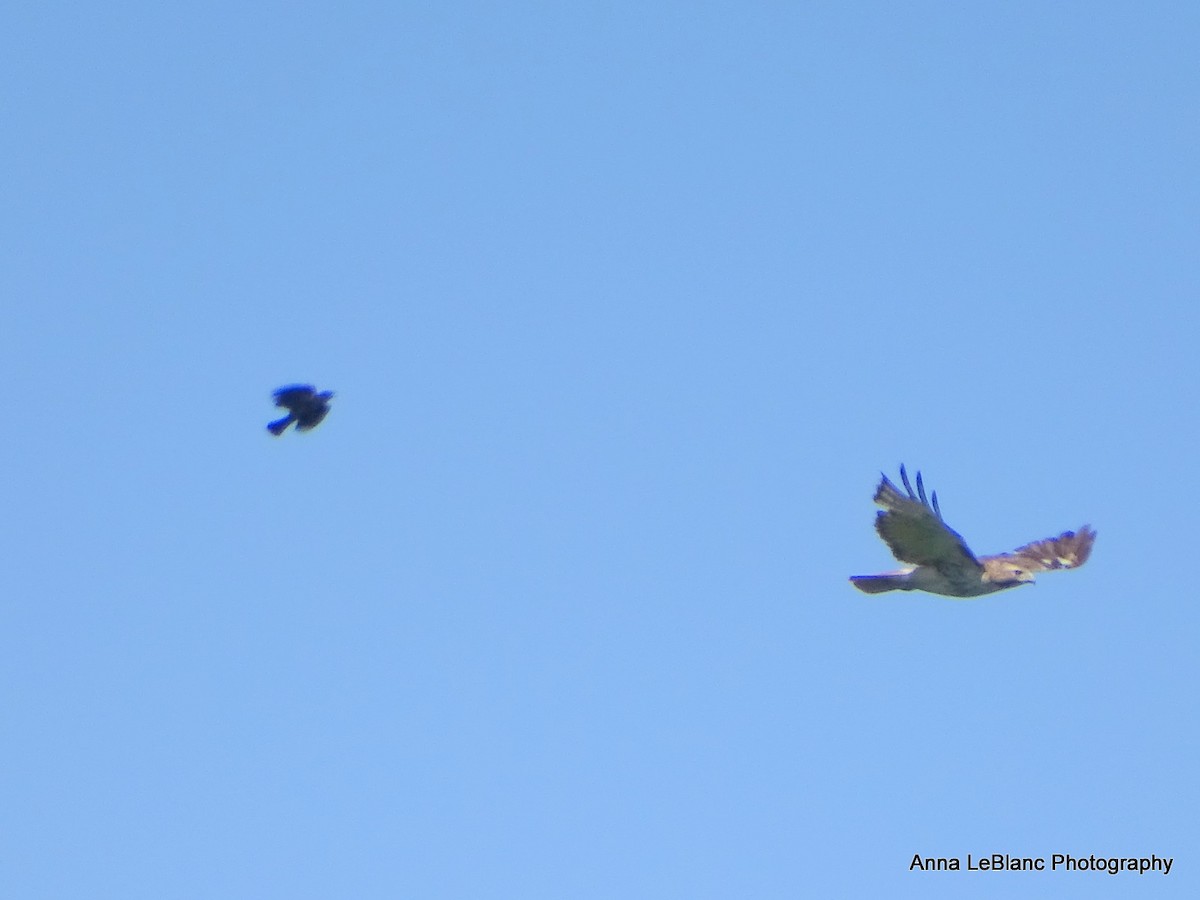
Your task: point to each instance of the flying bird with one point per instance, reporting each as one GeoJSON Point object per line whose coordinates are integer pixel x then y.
{"type": "Point", "coordinates": [304, 405]}
{"type": "Point", "coordinates": [939, 560]}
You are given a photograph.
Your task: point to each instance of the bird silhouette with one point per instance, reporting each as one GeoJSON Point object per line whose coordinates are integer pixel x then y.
{"type": "Point", "coordinates": [305, 407]}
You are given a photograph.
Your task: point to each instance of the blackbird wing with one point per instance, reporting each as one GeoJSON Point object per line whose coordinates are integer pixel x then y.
{"type": "Point", "coordinates": [294, 396]}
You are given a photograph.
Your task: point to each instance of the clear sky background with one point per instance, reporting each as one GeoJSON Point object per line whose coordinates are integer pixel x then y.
{"type": "Point", "coordinates": [626, 306]}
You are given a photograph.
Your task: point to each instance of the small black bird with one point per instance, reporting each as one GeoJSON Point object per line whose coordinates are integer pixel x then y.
{"type": "Point", "coordinates": [304, 405]}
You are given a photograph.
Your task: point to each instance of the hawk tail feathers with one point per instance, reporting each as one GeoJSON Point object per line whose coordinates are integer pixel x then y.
{"type": "Point", "coordinates": [879, 584]}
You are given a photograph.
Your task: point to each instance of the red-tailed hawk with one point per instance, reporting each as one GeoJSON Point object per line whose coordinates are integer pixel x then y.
{"type": "Point", "coordinates": [940, 561]}
{"type": "Point", "coordinates": [304, 405]}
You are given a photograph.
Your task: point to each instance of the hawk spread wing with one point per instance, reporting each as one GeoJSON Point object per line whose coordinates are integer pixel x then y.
{"type": "Point", "coordinates": [914, 530]}
{"type": "Point", "coordinates": [1069, 550]}
{"type": "Point", "coordinates": [940, 560]}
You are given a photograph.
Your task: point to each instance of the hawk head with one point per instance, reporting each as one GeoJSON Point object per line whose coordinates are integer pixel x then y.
{"type": "Point", "coordinates": [1005, 573]}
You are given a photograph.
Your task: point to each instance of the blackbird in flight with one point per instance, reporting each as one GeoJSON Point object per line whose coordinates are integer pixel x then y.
{"type": "Point", "coordinates": [304, 405]}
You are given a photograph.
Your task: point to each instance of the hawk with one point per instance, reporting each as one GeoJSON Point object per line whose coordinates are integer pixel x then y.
{"type": "Point", "coordinates": [939, 560]}
{"type": "Point", "coordinates": [304, 405]}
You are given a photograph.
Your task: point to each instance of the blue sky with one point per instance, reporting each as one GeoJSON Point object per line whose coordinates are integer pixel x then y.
{"type": "Point", "coordinates": [626, 307]}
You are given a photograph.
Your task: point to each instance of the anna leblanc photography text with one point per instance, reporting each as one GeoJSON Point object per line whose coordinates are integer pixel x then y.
{"type": "Point", "coordinates": [1002, 862]}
